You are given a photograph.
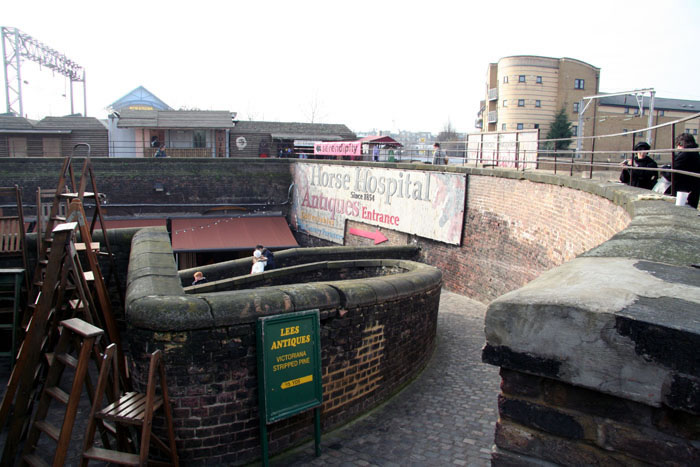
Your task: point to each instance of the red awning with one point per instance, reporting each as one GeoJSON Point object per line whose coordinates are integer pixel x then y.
{"type": "Point", "coordinates": [377, 139]}
{"type": "Point", "coordinates": [231, 233]}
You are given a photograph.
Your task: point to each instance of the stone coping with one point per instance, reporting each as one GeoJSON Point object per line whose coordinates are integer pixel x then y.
{"type": "Point", "coordinates": [295, 256]}
{"type": "Point", "coordinates": [622, 318]}
{"type": "Point", "coordinates": [156, 300]}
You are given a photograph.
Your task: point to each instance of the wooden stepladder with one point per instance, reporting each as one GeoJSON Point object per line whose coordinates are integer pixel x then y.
{"type": "Point", "coordinates": [136, 410]}
{"type": "Point", "coordinates": [64, 294]}
{"type": "Point", "coordinates": [77, 337]}
{"type": "Point", "coordinates": [68, 190]}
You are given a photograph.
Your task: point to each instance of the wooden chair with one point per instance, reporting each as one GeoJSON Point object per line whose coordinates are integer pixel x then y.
{"type": "Point", "coordinates": [132, 409]}
{"type": "Point", "coordinates": [12, 231]}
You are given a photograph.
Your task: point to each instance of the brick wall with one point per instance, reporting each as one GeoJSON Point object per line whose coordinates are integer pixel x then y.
{"type": "Point", "coordinates": [516, 229]}
{"type": "Point", "coordinates": [186, 181]}
{"type": "Point", "coordinates": [557, 422]}
{"type": "Point", "coordinates": [377, 333]}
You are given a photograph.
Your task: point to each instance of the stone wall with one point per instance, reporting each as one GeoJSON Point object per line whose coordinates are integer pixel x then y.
{"type": "Point", "coordinates": [254, 184]}
{"type": "Point", "coordinates": [377, 333]}
{"type": "Point", "coordinates": [599, 355]}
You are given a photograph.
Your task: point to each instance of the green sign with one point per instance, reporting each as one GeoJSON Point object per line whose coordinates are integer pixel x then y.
{"type": "Point", "coordinates": [289, 364]}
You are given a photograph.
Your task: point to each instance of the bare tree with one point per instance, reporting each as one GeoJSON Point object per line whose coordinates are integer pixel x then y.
{"type": "Point", "coordinates": [313, 112]}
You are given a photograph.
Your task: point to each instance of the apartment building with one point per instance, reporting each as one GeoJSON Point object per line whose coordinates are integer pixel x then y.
{"type": "Point", "coordinates": [525, 92]}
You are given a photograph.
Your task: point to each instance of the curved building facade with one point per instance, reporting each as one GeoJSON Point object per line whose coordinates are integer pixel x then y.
{"type": "Point", "coordinates": [525, 92]}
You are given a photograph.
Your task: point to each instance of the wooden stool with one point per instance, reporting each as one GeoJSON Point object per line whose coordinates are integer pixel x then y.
{"type": "Point", "coordinates": [133, 409]}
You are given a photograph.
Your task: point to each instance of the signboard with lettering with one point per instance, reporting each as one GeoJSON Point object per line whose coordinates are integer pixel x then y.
{"type": "Point", "coordinates": [425, 203]}
{"type": "Point", "coordinates": [289, 364]}
{"type": "Point", "coordinates": [338, 148]}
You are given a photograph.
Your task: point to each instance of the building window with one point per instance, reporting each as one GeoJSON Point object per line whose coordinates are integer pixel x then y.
{"type": "Point", "coordinates": [521, 102]}
{"type": "Point", "coordinates": [538, 103]}
{"type": "Point", "coordinates": [536, 126]}
{"type": "Point", "coordinates": [505, 103]}
{"type": "Point", "coordinates": [505, 79]}
{"type": "Point", "coordinates": [503, 127]}
{"type": "Point", "coordinates": [576, 107]}
{"type": "Point", "coordinates": [199, 139]}
{"type": "Point", "coordinates": [539, 80]}
{"type": "Point", "coordinates": [520, 126]}
{"type": "Point", "coordinates": [695, 131]}
{"type": "Point", "coordinates": [636, 111]}
{"type": "Point", "coordinates": [687, 130]}
{"type": "Point", "coordinates": [521, 79]}
{"type": "Point", "coordinates": [624, 130]}
{"type": "Point", "coordinates": [579, 84]}
{"type": "Point", "coordinates": [662, 113]}
{"type": "Point", "coordinates": [574, 130]}
{"type": "Point", "coordinates": [627, 110]}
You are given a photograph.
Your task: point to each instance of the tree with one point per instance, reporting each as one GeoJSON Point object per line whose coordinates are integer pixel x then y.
{"type": "Point", "coordinates": [448, 133]}
{"type": "Point", "coordinates": [560, 129]}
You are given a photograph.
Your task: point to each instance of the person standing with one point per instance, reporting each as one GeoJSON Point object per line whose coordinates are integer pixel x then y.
{"type": "Point", "coordinates": [438, 156]}
{"type": "Point", "coordinates": [688, 161]}
{"type": "Point", "coordinates": [640, 178]}
{"type": "Point", "coordinates": [267, 256]}
{"type": "Point", "coordinates": [259, 262]}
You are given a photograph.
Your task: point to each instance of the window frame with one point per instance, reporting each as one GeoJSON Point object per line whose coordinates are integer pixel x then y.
{"type": "Point", "coordinates": [521, 79]}
{"type": "Point", "coordinates": [538, 80]}
{"type": "Point", "coordinates": [520, 126]}
{"type": "Point", "coordinates": [579, 83]}
{"type": "Point", "coordinates": [521, 102]}
{"type": "Point", "coordinates": [538, 103]}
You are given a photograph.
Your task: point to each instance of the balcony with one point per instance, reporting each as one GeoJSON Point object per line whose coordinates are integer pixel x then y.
{"type": "Point", "coordinates": [493, 116]}
{"type": "Point", "coordinates": [493, 94]}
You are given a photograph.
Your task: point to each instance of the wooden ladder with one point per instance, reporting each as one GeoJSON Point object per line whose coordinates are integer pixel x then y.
{"type": "Point", "coordinates": [78, 337]}
{"type": "Point", "coordinates": [64, 294]}
{"type": "Point", "coordinates": [132, 409]}
{"type": "Point", "coordinates": [68, 190]}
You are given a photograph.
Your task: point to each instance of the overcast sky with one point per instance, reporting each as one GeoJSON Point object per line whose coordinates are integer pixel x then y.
{"type": "Point", "coordinates": [385, 65]}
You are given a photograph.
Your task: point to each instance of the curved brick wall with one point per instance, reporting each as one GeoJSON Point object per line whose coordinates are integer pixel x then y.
{"type": "Point", "coordinates": [378, 327]}
{"type": "Point", "coordinates": [519, 225]}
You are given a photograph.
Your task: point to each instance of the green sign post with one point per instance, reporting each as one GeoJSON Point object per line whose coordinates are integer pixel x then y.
{"type": "Point", "coordinates": [289, 370]}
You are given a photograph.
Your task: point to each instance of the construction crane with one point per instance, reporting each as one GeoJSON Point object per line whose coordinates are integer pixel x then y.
{"type": "Point", "coordinates": [17, 46]}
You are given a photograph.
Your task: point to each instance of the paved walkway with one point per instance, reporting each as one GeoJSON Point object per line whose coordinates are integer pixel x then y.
{"type": "Point", "coordinates": [445, 417]}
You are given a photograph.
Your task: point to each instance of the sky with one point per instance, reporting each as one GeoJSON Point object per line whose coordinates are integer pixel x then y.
{"type": "Point", "coordinates": [371, 65]}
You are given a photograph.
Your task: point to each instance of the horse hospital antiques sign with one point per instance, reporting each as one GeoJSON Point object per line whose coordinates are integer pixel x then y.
{"type": "Point", "coordinates": [425, 203]}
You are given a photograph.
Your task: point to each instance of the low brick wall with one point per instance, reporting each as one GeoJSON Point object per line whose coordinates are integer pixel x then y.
{"type": "Point", "coordinates": [377, 333]}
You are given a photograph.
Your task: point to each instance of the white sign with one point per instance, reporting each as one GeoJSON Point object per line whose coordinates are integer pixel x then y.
{"type": "Point", "coordinates": [425, 203]}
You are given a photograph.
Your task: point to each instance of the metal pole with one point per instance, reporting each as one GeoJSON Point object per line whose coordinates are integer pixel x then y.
{"type": "Point", "coordinates": [673, 142]}
{"type": "Point", "coordinates": [517, 150]}
{"type": "Point", "coordinates": [84, 95]}
{"type": "Point", "coordinates": [555, 158]}
{"type": "Point", "coordinates": [5, 64]}
{"type": "Point", "coordinates": [651, 116]}
{"type": "Point", "coordinates": [71, 97]}
{"type": "Point", "coordinates": [317, 430]}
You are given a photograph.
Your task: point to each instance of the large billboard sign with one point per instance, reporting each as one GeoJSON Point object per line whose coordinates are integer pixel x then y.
{"type": "Point", "coordinates": [425, 203]}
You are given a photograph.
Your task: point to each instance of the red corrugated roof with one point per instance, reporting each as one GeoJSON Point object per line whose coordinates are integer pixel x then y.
{"type": "Point", "coordinates": [226, 233]}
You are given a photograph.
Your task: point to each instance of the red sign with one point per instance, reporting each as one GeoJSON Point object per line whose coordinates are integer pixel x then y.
{"type": "Point", "coordinates": [377, 236]}
{"type": "Point", "coordinates": [338, 148]}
